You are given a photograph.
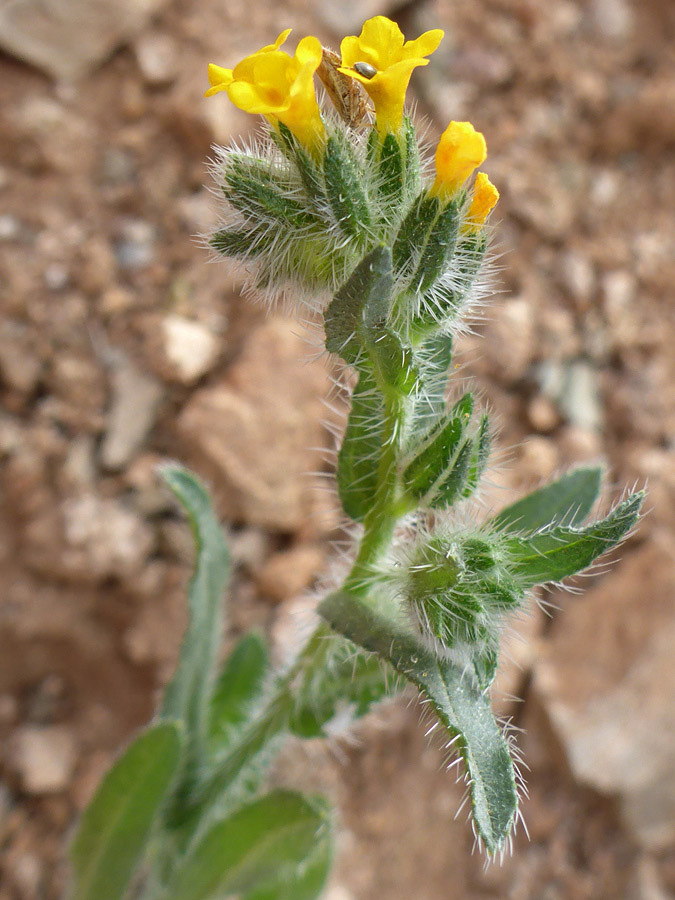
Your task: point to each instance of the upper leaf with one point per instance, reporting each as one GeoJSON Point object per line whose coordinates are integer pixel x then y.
{"type": "Point", "coordinates": [307, 882]}
{"type": "Point", "coordinates": [566, 501]}
{"type": "Point", "coordinates": [369, 286]}
{"type": "Point", "coordinates": [114, 830]}
{"type": "Point", "coordinates": [555, 553]}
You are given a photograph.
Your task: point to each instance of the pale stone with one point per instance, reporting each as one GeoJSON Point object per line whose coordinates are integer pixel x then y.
{"type": "Point", "coordinates": [44, 758]}
{"type": "Point", "coordinates": [135, 400]}
{"type": "Point", "coordinates": [190, 347]}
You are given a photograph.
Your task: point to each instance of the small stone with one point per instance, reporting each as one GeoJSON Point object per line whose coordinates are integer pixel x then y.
{"type": "Point", "coordinates": [116, 300]}
{"type": "Point", "coordinates": [57, 276]}
{"type": "Point", "coordinates": [580, 401]}
{"type": "Point", "coordinates": [613, 19]}
{"type": "Point", "coordinates": [156, 55]}
{"type": "Point", "coordinates": [136, 247]}
{"type": "Point", "coordinates": [190, 348]}
{"type": "Point", "coordinates": [290, 572]}
{"type": "Point", "coordinates": [117, 167]}
{"type": "Point", "coordinates": [538, 458]}
{"type": "Point", "coordinates": [44, 758]}
{"type": "Point", "coordinates": [646, 883]}
{"type": "Point", "coordinates": [542, 413]}
{"type": "Point", "coordinates": [136, 397]}
{"type": "Point", "coordinates": [103, 539]}
{"type": "Point", "coordinates": [578, 276]}
{"type": "Point", "coordinates": [9, 228]}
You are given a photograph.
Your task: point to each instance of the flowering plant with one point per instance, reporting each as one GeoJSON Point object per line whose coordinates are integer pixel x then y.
{"type": "Point", "coordinates": [341, 217]}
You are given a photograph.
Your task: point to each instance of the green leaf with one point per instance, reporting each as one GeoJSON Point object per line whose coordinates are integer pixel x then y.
{"type": "Point", "coordinates": [359, 454]}
{"type": "Point", "coordinates": [563, 550]}
{"type": "Point", "coordinates": [306, 883]}
{"type": "Point", "coordinates": [242, 242]}
{"type": "Point", "coordinates": [251, 848]}
{"type": "Point", "coordinates": [564, 502]}
{"type": "Point", "coordinates": [390, 173]}
{"type": "Point", "coordinates": [451, 487]}
{"type": "Point", "coordinates": [114, 829]}
{"type": "Point", "coordinates": [437, 449]}
{"type": "Point", "coordinates": [260, 199]}
{"type": "Point", "coordinates": [310, 176]}
{"type": "Point", "coordinates": [368, 288]}
{"type": "Point", "coordinates": [480, 455]}
{"type": "Point", "coordinates": [432, 360]}
{"type": "Point", "coordinates": [439, 247]}
{"type": "Point", "coordinates": [459, 702]}
{"type": "Point", "coordinates": [188, 695]}
{"type": "Point", "coordinates": [344, 189]}
{"type": "Point", "coordinates": [343, 682]}
{"type": "Point", "coordinates": [413, 232]}
{"type": "Point", "coordinates": [239, 686]}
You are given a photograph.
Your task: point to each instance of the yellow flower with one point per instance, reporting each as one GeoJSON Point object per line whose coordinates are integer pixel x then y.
{"type": "Point", "coordinates": [460, 150]}
{"type": "Point", "coordinates": [485, 197]}
{"type": "Point", "coordinates": [383, 61]}
{"type": "Point", "coordinates": [278, 86]}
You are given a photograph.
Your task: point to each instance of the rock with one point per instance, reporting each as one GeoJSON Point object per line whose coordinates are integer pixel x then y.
{"type": "Point", "coordinates": [68, 38]}
{"type": "Point", "coordinates": [9, 228]}
{"type": "Point", "coordinates": [613, 19]}
{"type": "Point", "coordinates": [607, 680]}
{"type": "Point", "coordinates": [136, 247]}
{"type": "Point", "coordinates": [580, 400]}
{"type": "Point", "coordinates": [136, 397]}
{"type": "Point", "coordinates": [157, 57]}
{"type": "Point", "coordinates": [578, 277]}
{"type": "Point", "coordinates": [44, 758]}
{"type": "Point", "coordinates": [190, 348]}
{"type": "Point", "coordinates": [290, 572]}
{"type": "Point", "coordinates": [103, 539]}
{"type": "Point", "coordinates": [253, 428]}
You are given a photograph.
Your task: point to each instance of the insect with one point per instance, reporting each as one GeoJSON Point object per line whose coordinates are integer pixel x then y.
{"type": "Point", "coordinates": [365, 69]}
{"type": "Point", "coordinates": [345, 93]}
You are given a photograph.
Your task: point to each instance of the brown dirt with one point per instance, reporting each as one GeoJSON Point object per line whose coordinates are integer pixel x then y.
{"type": "Point", "coordinates": [101, 195]}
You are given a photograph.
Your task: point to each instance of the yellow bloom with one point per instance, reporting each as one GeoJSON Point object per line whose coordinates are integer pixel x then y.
{"type": "Point", "coordinates": [383, 61]}
{"type": "Point", "coordinates": [278, 86]}
{"type": "Point", "coordinates": [460, 150]}
{"type": "Point", "coordinates": [485, 197]}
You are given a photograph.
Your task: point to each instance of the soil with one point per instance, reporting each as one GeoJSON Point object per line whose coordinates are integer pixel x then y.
{"type": "Point", "coordinates": [101, 278]}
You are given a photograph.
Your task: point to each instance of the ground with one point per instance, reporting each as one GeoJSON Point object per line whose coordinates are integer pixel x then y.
{"type": "Point", "coordinates": [120, 346]}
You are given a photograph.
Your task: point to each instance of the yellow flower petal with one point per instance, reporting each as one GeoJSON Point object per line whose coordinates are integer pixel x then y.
{"type": "Point", "coordinates": [219, 79]}
{"type": "Point", "coordinates": [278, 86]}
{"type": "Point", "coordinates": [484, 200]}
{"type": "Point", "coordinates": [381, 44]}
{"type": "Point", "coordinates": [460, 151]}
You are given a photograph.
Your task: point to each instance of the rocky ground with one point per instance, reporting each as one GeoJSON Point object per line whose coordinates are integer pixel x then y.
{"type": "Point", "coordinates": [120, 347]}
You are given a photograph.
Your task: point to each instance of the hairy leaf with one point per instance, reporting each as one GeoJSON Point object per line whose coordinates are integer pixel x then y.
{"type": "Point", "coordinates": [238, 687]}
{"type": "Point", "coordinates": [344, 189]}
{"type": "Point", "coordinates": [566, 501]}
{"type": "Point", "coordinates": [343, 681]}
{"type": "Point", "coordinates": [368, 287]}
{"type": "Point", "coordinates": [188, 695]}
{"type": "Point", "coordinates": [251, 848]}
{"type": "Point", "coordinates": [360, 451]}
{"type": "Point", "coordinates": [459, 702]}
{"type": "Point", "coordinates": [307, 882]}
{"type": "Point", "coordinates": [114, 830]}
{"type": "Point", "coordinates": [563, 550]}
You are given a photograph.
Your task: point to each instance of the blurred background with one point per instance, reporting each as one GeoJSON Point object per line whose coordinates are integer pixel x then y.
{"type": "Point", "coordinates": [120, 347]}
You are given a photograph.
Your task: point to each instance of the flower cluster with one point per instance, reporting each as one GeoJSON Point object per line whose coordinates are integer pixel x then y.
{"type": "Point", "coordinates": [307, 206]}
